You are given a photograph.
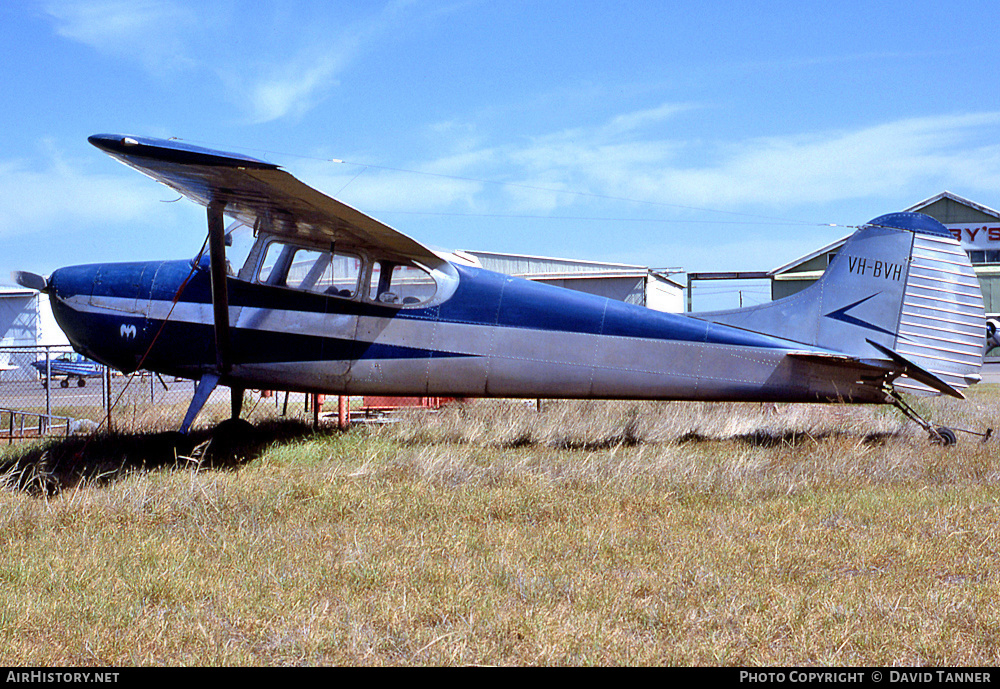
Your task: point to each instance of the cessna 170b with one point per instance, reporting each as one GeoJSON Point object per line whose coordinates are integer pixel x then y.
{"type": "Point", "coordinates": [330, 300]}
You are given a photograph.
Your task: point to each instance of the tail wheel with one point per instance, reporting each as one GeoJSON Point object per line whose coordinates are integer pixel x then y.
{"type": "Point", "coordinates": [943, 436]}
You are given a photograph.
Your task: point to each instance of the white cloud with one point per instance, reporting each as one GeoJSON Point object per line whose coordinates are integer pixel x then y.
{"type": "Point", "coordinates": [143, 30]}
{"type": "Point", "coordinates": [377, 190]}
{"type": "Point", "coordinates": [631, 121]}
{"type": "Point", "coordinates": [891, 159]}
{"type": "Point", "coordinates": [595, 172]}
{"type": "Point", "coordinates": [619, 160]}
{"type": "Point", "coordinates": [56, 192]}
{"type": "Point", "coordinates": [270, 70]}
{"type": "Point", "coordinates": [281, 85]}
{"type": "Point", "coordinates": [291, 88]}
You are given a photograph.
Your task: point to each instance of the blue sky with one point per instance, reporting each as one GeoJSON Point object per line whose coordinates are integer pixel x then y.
{"type": "Point", "coordinates": [709, 135]}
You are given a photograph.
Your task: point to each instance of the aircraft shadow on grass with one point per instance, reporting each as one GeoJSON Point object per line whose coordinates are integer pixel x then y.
{"type": "Point", "coordinates": [48, 469]}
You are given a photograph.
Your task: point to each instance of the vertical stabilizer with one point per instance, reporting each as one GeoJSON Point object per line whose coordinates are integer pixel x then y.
{"type": "Point", "coordinates": [901, 283]}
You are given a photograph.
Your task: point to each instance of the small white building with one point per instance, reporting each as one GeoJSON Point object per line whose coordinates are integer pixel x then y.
{"type": "Point", "coordinates": [26, 322]}
{"type": "Point", "coordinates": [628, 283]}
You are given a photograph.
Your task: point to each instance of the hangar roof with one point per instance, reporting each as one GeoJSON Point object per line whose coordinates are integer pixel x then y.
{"type": "Point", "coordinates": [948, 208]}
{"type": "Point", "coordinates": [546, 267]}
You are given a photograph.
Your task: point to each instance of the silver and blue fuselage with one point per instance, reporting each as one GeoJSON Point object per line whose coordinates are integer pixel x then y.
{"type": "Point", "coordinates": [494, 335]}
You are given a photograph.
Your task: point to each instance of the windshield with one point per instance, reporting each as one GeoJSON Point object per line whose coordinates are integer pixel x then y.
{"type": "Point", "coordinates": [239, 242]}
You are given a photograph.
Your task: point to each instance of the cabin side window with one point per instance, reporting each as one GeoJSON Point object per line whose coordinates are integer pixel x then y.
{"type": "Point", "coordinates": [310, 270]}
{"type": "Point", "coordinates": [402, 284]}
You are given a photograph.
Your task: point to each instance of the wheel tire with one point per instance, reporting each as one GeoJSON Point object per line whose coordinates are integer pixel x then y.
{"type": "Point", "coordinates": [945, 436]}
{"type": "Point", "coordinates": [64, 383]}
{"type": "Point", "coordinates": [233, 428]}
{"type": "Point", "coordinates": [80, 383]}
{"type": "Point", "coordinates": [228, 438]}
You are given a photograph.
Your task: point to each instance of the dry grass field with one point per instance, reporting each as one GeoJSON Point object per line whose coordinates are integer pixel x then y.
{"type": "Point", "coordinates": [494, 533]}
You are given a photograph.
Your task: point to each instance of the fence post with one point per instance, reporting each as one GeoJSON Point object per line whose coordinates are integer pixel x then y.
{"type": "Point", "coordinates": [104, 394]}
{"type": "Point", "coordinates": [107, 383]}
{"type": "Point", "coordinates": [343, 412]}
{"type": "Point", "coordinates": [48, 380]}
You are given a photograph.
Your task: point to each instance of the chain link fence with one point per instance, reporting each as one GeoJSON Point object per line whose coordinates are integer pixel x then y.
{"type": "Point", "coordinates": [49, 390]}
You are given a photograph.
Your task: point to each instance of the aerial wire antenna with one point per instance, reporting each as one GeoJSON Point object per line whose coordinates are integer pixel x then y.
{"type": "Point", "coordinates": [608, 197]}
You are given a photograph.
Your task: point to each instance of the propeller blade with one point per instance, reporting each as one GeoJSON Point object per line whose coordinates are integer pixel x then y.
{"type": "Point", "coordinates": [30, 280]}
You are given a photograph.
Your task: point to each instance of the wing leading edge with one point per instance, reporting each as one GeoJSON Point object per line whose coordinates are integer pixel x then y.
{"type": "Point", "coordinates": [259, 194]}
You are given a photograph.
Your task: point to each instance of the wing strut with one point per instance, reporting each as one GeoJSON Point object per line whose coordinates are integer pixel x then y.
{"type": "Point", "coordinates": [205, 387]}
{"type": "Point", "coordinates": [220, 295]}
{"type": "Point", "coordinates": [220, 312]}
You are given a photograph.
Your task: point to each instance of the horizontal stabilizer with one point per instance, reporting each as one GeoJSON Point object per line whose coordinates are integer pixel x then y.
{"type": "Point", "coordinates": [827, 358]}
{"type": "Point", "coordinates": [903, 366]}
{"type": "Point", "coordinates": [841, 360]}
{"type": "Point", "coordinates": [917, 373]}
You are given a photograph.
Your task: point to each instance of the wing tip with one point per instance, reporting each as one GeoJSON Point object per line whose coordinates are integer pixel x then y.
{"type": "Point", "coordinates": [174, 151]}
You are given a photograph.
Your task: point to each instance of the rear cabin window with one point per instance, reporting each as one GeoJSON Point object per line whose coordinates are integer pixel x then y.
{"type": "Point", "coordinates": [322, 272]}
{"type": "Point", "coordinates": [401, 284]}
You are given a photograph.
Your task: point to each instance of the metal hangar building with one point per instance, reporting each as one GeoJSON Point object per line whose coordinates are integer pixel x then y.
{"type": "Point", "coordinates": [632, 284]}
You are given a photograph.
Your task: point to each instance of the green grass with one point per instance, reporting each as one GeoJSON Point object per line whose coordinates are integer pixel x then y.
{"type": "Point", "coordinates": [584, 534]}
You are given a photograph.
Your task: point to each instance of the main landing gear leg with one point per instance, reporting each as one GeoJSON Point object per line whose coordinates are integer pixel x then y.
{"type": "Point", "coordinates": [233, 428]}
{"type": "Point", "coordinates": [236, 399]}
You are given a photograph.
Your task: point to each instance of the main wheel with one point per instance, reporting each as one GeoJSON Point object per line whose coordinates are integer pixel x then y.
{"type": "Point", "coordinates": [229, 439]}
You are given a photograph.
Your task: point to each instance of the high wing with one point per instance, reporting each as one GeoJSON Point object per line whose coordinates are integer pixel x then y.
{"type": "Point", "coordinates": [259, 194]}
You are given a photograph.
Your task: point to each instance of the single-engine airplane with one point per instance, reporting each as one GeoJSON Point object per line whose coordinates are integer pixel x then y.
{"type": "Point", "coordinates": [67, 367]}
{"type": "Point", "coordinates": [330, 300]}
